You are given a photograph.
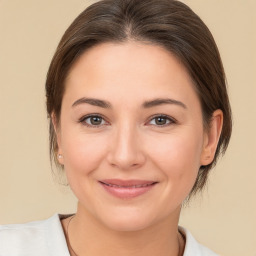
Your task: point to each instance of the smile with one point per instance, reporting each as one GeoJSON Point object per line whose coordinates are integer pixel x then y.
{"type": "Point", "coordinates": [132, 186]}
{"type": "Point", "coordinates": [127, 189]}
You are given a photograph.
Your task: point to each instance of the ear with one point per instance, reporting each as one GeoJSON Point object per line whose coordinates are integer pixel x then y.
{"type": "Point", "coordinates": [211, 138]}
{"type": "Point", "coordinates": [58, 137]}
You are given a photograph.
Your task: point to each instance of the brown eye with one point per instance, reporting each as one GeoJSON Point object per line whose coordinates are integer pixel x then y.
{"type": "Point", "coordinates": [93, 121]}
{"type": "Point", "coordinates": [161, 120]}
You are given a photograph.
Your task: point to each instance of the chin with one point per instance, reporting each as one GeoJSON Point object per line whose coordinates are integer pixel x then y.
{"type": "Point", "coordinates": [127, 220]}
{"type": "Point", "coordinates": [126, 225]}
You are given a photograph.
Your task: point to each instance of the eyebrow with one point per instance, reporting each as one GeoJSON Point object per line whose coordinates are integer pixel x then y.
{"type": "Point", "coordinates": [157, 102]}
{"type": "Point", "coordinates": [92, 101]}
{"type": "Point", "coordinates": [146, 104]}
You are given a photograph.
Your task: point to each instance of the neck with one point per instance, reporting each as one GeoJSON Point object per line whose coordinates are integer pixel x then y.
{"type": "Point", "coordinates": [89, 237]}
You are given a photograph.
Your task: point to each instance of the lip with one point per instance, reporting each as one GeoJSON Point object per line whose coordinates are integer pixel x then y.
{"type": "Point", "coordinates": [127, 189]}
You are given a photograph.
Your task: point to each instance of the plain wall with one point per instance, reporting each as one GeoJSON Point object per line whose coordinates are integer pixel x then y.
{"type": "Point", "coordinates": [223, 218]}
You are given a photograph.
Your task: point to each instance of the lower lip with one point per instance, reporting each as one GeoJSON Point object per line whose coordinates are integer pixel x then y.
{"type": "Point", "coordinates": [127, 192]}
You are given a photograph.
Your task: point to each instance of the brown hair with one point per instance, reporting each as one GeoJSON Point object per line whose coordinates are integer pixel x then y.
{"type": "Point", "coordinates": [167, 23]}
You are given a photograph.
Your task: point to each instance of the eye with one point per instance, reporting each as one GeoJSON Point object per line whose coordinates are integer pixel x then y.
{"type": "Point", "coordinates": [93, 120]}
{"type": "Point", "coordinates": [161, 120]}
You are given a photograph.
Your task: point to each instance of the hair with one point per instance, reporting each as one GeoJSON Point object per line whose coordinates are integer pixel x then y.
{"type": "Point", "coordinates": [167, 23]}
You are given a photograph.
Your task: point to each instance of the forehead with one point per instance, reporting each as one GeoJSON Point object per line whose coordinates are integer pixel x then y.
{"type": "Point", "coordinates": [130, 69]}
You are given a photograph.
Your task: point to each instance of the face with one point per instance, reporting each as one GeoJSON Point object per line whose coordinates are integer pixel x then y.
{"type": "Point", "coordinates": [131, 134]}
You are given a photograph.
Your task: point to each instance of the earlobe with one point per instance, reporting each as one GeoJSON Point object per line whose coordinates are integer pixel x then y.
{"type": "Point", "coordinates": [58, 138]}
{"type": "Point", "coordinates": [211, 138]}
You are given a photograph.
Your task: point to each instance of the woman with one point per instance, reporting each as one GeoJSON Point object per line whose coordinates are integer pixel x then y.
{"type": "Point", "coordinates": [139, 114]}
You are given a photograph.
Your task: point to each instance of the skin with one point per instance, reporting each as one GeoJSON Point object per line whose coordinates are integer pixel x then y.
{"type": "Point", "coordinates": [129, 143]}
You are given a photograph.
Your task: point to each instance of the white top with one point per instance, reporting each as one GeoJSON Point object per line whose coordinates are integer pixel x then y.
{"type": "Point", "coordinates": [46, 238]}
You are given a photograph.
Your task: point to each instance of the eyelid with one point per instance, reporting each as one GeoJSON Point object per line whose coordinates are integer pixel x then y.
{"type": "Point", "coordinates": [171, 119]}
{"type": "Point", "coordinates": [83, 118]}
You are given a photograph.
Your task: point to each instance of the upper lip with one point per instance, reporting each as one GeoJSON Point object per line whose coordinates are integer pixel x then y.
{"type": "Point", "coordinates": [127, 183]}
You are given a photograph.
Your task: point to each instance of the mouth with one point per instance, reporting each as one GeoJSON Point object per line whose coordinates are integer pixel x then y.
{"type": "Point", "coordinates": [127, 189]}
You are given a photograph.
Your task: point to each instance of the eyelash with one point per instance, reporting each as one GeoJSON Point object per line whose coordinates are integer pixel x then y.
{"type": "Point", "coordinates": [170, 120]}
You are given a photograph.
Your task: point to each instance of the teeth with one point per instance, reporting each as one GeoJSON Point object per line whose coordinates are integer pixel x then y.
{"type": "Point", "coordinates": [133, 186]}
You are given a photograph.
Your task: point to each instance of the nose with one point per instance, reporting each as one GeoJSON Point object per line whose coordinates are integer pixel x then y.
{"type": "Point", "coordinates": [126, 151]}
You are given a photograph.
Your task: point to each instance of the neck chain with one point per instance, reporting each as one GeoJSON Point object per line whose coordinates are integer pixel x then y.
{"type": "Point", "coordinates": [68, 237]}
{"type": "Point", "coordinates": [179, 254]}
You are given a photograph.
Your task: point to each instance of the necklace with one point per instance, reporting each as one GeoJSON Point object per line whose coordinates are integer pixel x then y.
{"type": "Point", "coordinates": [68, 236]}
{"type": "Point", "coordinates": [182, 239]}
{"type": "Point", "coordinates": [179, 253]}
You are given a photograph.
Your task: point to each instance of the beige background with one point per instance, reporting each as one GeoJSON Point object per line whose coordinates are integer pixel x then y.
{"type": "Point", "coordinates": [223, 218]}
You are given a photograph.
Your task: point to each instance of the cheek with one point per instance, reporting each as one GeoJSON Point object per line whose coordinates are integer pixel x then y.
{"type": "Point", "coordinates": [79, 150]}
{"type": "Point", "coordinates": [178, 157]}
{"type": "Point", "coordinates": [83, 154]}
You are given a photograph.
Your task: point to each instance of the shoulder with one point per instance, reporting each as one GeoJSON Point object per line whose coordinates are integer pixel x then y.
{"type": "Point", "coordinates": [193, 248]}
{"type": "Point", "coordinates": [44, 237]}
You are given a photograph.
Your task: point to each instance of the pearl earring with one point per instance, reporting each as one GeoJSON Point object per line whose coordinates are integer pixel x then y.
{"type": "Point", "coordinates": [60, 156]}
